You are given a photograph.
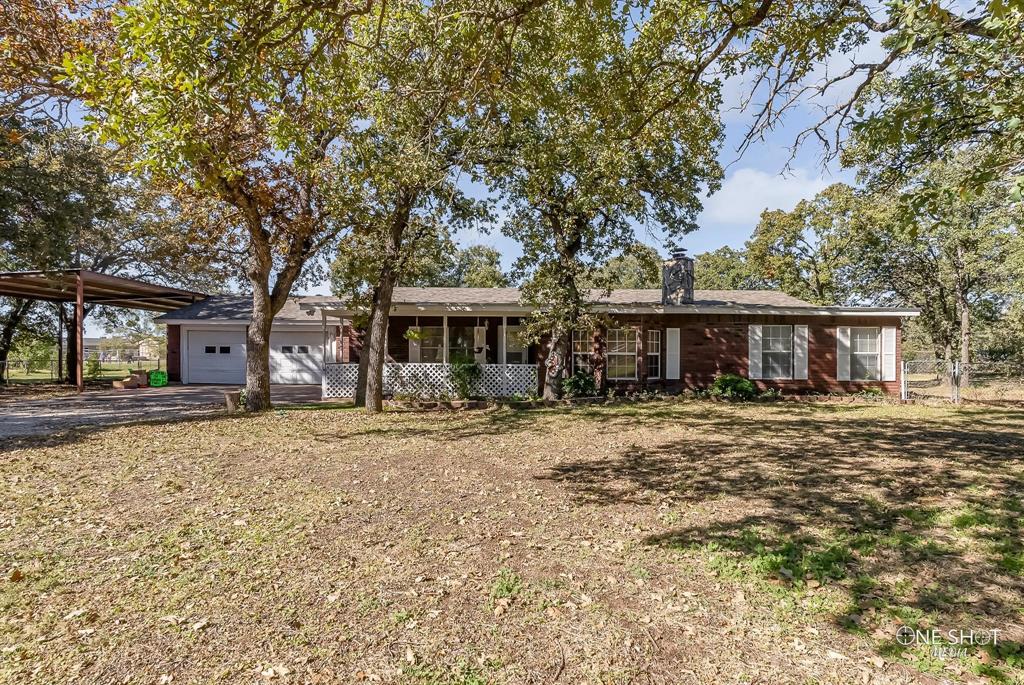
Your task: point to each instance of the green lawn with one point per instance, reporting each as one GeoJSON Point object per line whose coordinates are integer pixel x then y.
{"type": "Point", "coordinates": [660, 542]}
{"type": "Point", "coordinates": [108, 371]}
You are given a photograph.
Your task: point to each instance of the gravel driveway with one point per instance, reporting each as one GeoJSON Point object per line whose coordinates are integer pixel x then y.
{"type": "Point", "coordinates": [112, 407]}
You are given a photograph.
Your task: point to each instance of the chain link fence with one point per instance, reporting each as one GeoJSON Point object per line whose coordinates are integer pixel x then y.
{"type": "Point", "coordinates": [49, 371]}
{"type": "Point", "coordinates": [981, 382]}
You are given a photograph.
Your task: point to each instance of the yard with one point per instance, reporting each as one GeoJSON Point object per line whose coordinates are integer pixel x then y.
{"type": "Point", "coordinates": [648, 543]}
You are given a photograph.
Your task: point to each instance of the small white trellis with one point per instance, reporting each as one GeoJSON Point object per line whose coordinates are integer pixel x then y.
{"type": "Point", "coordinates": [433, 380]}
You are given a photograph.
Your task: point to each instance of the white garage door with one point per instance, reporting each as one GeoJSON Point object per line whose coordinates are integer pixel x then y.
{"type": "Point", "coordinates": [295, 357]}
{"type": "Point", "coordinates": [216, 357]}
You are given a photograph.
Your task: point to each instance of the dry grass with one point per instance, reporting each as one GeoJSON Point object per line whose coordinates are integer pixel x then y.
{"type": "Point", "coordinates": [686, 542]}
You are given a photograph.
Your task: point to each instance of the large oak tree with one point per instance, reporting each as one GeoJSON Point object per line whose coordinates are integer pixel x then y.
{"type": "Point", "coordinates": [246, 105]}
{"type": "Point", "coordinates": [605, 134]}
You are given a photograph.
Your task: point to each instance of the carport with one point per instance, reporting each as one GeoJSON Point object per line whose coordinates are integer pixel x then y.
{"type": "Point", "coordinates": [82, 286]}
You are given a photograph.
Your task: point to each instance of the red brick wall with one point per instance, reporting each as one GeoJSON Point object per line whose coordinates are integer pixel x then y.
{"type": "Point", "coordinates": [709, 346]}
{"type": "Point", "coordinates": [713, 345]}
{"type": "Point", "coordinates": [174, 353]}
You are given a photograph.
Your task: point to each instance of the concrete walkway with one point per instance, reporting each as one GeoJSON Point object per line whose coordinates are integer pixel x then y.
{"type": "Point", "coordinates": [113, 407]}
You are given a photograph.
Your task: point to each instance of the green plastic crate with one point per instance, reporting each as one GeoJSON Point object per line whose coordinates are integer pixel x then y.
{"type": "Point", "coordinates": [157, 378]}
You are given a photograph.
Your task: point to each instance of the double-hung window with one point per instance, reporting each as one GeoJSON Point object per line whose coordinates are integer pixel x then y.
{"type": "Point", "coordinates": [431, 344]}
{"type": "Point", "coordinates": [777, 352]}
{"type": "Point", "coordinates": [621, 354]}
{"type": "Point", "coordinates": [515, 346]}
{"type": "Point", "coordinates": [653, 354]}
{"type": "Point", "coordinates": [582, 346]}
{"type": "Point", "coordinates": [864, 357]}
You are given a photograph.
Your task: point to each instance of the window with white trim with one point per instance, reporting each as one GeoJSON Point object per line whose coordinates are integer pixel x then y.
{"type": "Point", "coordinates": [582, 347]}
{"type": "Point", "coordinates": [653, 354]}
{"type": "Point", "coordinates": [515, 346]}
{"type": "Point", "coordinates": [864, 354]}
{"type": "Point", "coordinates": [776, 352]}
{"type": "Point", "coordinates": [621, 354]}
{"type": "Point", "coordinates": [431, 344]}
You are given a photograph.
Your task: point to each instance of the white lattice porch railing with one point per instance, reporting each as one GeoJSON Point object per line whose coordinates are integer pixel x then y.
{"type": "Point", "coordinates": [434, 380]}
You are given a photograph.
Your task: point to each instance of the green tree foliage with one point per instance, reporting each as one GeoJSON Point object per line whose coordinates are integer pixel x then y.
{"type": "Point", "coordinates": [609, 127]}
{"type": "Point", "coordinates": [245, 105]}
{"type": "Point", "coordinates": [639, 267]}
{"type": "Point", "coordinates": [955, 255]}
{"type": "Point", "coordinates": [478, 266]}
{"type": "Point", "coordinates": [947, 76]}
{"type": "Point", "coordinates": [437, 67]}
{"type": "Point", "coordinates": [727, 269]}
{"type": "Point", "coordinates": [805, 252]}
{"type": "Point", "coordinates": [53, 190]}
{"type": "Point", "coordinates": [437, 263]}
{"type": "Point", "coordinates": [63, 205]}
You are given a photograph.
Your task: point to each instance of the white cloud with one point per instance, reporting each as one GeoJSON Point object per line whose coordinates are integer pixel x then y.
{"type": "Point", "coordinates": [747, 192]}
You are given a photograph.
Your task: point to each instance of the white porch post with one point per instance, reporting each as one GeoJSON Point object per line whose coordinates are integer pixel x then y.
{"type": "Point", "coordinates": [502, 355]}
{"type": "Point", "coordinates": [323, 355]}
{"type": "Point", "coordinates": [504, 340]}
{"type": "Point", "coordinates": [444, 352]}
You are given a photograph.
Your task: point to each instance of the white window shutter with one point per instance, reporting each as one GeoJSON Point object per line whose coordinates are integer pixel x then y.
{"type": "Point", "coordinates": [843, 353]}
{"type": "Point", "coordinates": [754, 354]}
{"type": "Point", "coordinates": [800, 353]}
{"type": "Point", "coordinates": [480, 343]}
{"type": "Point", "coordinates": [672, 354]}
{"type": "Point", "coordinates": [414, 345]}
{"type": "Point", "coordinates": [889, 353]}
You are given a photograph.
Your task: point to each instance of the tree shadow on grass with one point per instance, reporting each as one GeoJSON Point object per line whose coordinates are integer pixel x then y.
{"type": "Point", "coordinates": [889, 522]}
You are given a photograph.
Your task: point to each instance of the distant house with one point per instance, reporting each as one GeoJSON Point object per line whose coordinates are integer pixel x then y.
{"type": "Point", "coordinates": [149, 349]}
{"type": "Point", "coordinates": [669, 339]}
{"type": "Point", "coordinates": [91, 346]}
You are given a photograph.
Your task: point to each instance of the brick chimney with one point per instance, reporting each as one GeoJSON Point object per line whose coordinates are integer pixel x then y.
{"type": "Point", "coordinates": [677, 279]}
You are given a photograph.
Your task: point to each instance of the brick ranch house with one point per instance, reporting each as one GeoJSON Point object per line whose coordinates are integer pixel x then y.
{"type": "Point", "coordinates": [670, 339]}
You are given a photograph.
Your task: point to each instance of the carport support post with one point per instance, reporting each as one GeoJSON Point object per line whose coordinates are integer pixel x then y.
{"type": "Point", "coordinates": [79, 316]}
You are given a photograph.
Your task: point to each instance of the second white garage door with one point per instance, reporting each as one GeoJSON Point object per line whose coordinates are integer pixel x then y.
{"type": "Point", "coordinates": [295, 357]}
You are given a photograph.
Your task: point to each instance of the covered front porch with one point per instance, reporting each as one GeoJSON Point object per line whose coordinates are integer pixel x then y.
{"type": "Point", "coordinates": [427, 355]}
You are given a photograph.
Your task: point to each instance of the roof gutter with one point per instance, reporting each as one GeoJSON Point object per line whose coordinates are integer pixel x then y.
{"type": "Point", "coordinates": [421, 308]}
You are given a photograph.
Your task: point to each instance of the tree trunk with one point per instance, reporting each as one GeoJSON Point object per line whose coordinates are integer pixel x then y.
{"type": "Point", "coordinates": [599, 362]}
{"type": "Point", "coordinates": [555, 365]}
{"type": "Point", "coordinates": [257, 350]}
{"type": "Point", "coordinates": [965, 341]}
{"type": "Point", "coordinates": [376, 353]}
{"type": "Point", "coordinates": [364, 365]}
{"type": "Point", "coordinates": [19, 310]}
{"type": "Point", "coordinates": [376, 349]}
{"type": "Point", "coordinates": [963, 309]}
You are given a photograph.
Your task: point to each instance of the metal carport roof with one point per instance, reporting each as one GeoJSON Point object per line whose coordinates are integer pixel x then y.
{"type": "Point", "coordinates": [82, 286]}
{"type": "Point", "coordinates": [114, 291]}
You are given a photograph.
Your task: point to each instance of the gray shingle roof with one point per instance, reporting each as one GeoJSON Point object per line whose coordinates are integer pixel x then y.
{"type": "Point", "coordinates": [650, 296]}
{"type": "Point", "coordinates": [239, 307]}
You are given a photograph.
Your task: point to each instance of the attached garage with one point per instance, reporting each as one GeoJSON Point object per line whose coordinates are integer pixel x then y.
{"type": "Point", "coordinates": [215, 356]}
{"type": "Point", "coordinates": [295, 356]}
{"type": "Point", "coordinates": [206, 342]}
